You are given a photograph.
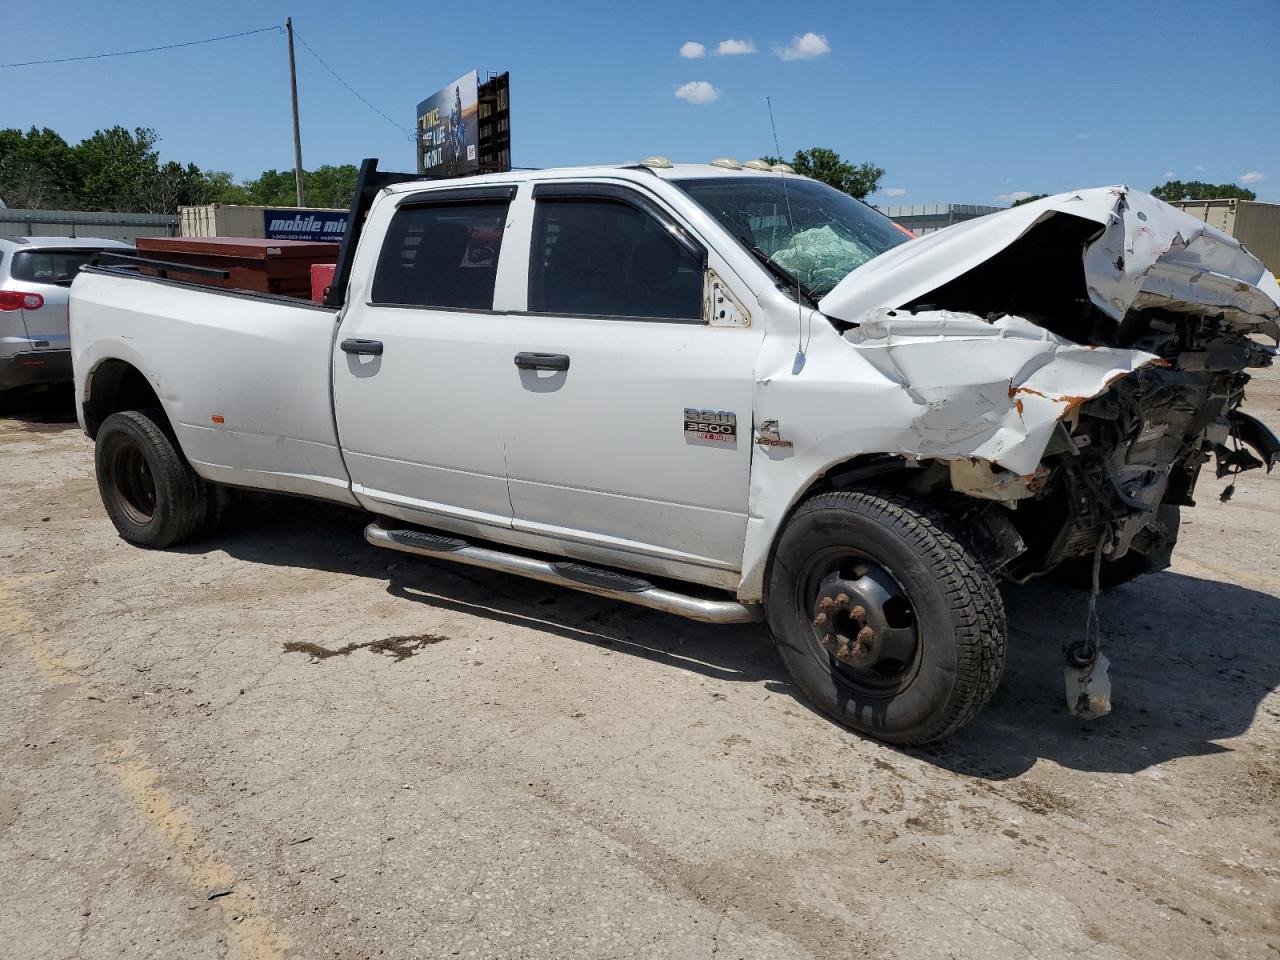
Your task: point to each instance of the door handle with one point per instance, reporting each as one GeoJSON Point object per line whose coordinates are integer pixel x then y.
{"type": "Point", "coordinates": [371, 348]}
{"type": "Point", "coordinates": [542, 361]}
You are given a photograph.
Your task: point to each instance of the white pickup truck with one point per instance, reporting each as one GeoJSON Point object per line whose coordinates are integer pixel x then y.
{"type": "Point", "coordinates": [721, 390]}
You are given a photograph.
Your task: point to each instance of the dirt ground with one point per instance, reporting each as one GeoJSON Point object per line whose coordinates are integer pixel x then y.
{"type": "Point", "coordinates": [282, 742]}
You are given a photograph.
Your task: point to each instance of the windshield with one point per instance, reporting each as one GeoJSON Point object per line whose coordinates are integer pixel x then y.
{"type": "Point", "coordinates": [50, 266]}
{"type": "Point", "coordinates": [812, 231]}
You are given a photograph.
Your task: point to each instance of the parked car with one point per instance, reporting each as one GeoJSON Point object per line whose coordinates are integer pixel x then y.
{"type": "Point", "coordinates": [35, 279]}
{"type": "Point", "coordinates": [732, 394]}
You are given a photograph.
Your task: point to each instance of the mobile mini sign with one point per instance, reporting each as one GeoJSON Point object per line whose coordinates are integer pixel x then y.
{"type": "Point", "coordinates": [321, 225]}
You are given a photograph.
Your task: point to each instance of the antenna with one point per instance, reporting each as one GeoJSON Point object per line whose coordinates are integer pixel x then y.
{"type": "Point", "coordinates": [802, 342]}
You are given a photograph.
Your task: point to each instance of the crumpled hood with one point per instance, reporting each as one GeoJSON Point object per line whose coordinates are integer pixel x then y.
{"type": "Point", "coordinates": [1147, 253]}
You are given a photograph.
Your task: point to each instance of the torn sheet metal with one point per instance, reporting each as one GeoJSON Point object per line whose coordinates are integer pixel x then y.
{"type": "Point", "coordinates": [1146, 254]}
{"type": "Point", "coordinates": [929, 385]}
{"type": "Point", "coordinates": [991, 391]}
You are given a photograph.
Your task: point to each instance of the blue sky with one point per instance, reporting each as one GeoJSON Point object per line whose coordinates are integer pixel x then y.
{"type": "Point", "coordinates": [960, 102]}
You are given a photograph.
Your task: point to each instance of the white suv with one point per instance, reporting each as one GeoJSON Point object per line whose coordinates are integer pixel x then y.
{"type": "Point", "coordinates": [35, 281]}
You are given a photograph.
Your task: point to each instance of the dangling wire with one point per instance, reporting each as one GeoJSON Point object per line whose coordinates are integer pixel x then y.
{"type": "Point", "coordinates": [1084, 653]}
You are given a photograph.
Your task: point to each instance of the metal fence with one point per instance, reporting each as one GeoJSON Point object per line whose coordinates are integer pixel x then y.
{"type": "Point", "coordinates": [86, 223]}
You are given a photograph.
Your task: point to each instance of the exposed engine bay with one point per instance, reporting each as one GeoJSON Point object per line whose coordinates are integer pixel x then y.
{"type": "Point", "coordinates": [1122, 464]}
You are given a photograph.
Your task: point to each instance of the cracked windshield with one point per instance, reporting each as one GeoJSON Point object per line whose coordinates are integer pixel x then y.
{"type": "Point", "coordinates": [813, 232]}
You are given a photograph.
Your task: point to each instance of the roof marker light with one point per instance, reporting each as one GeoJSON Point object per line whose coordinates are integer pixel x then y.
{"type": "Point", "coordinates": [756, 165]}
{"type": "Point", "coordinates": [726, 163]}
{"type": "Point", "coordinates": [656, 163]}
{"type": "Point", "coordinates": [783, 168]}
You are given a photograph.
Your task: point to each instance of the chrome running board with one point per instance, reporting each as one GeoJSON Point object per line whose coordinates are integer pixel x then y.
{"type": "Point", "coordinates": [565, 573]}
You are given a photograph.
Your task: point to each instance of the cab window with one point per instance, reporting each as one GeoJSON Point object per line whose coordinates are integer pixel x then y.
{"type": "Point", "coordinates": [442, 255]}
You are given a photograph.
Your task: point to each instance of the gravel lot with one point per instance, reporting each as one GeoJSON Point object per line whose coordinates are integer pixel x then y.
{"type": "Point", "coordinates": [285, 743]}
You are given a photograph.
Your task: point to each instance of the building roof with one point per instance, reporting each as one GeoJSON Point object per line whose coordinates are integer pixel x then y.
{"type": "Point", "coordinates": [939, 210]}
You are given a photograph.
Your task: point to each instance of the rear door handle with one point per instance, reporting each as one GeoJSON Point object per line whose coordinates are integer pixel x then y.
{"type": "Point", "coordinates": [371, 348]}
{"type": "Point", "coordinates": [542, 361]}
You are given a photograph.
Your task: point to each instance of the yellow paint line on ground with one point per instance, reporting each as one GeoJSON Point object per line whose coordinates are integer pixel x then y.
{"type": "Point", "coordinates": [250, 936]}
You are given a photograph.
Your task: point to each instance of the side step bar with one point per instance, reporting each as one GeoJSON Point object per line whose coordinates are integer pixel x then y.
{"type": "Point", "coordinates": [565, 573]}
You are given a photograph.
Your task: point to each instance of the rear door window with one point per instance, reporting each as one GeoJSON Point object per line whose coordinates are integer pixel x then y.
{"type": "Point", "coordinates": [442, 255]}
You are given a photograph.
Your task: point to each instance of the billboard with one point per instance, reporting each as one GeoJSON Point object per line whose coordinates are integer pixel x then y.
{"type": "Point", "coordinates": [448, 134]}
{"type": "Point", "coordinates": [326, 225]}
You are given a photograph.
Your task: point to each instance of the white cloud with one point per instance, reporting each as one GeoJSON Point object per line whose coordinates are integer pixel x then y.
{"type": "Point", "coordinates": [805, 47]}
{"type": "Point", "coordinates": [1253, 176]}
{"type": "Point", "coordinates": [893, 191]}
{"type": "Point", "coordinates": [1200, 167]}
{"type": "Point", "coordinates": [1170, 174]}
{"type": "Point", "coordinates": [733, 48]}
{"type": "Point", "coordinates": [1013, 197]}
{"type": "Point", "coordinates": [692, 50]}
{"type": "Point", "coordinates": [697, 91]}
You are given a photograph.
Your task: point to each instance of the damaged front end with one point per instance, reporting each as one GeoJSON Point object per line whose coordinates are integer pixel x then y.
{"type": "Point", "coordinates": [1074, 365]}
{"type": "Point", "coordinates": [1121, 464]}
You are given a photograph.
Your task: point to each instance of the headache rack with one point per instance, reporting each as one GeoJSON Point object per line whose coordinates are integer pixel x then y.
{"type": "Point", "coordinates": [369, 181]}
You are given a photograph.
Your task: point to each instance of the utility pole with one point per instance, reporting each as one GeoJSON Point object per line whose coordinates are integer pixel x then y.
{"type": "Point", "coordinates": [297, 136]}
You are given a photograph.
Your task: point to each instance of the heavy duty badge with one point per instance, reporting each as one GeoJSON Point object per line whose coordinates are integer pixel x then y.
{"type": "Point", "coordinates": [716, 426]}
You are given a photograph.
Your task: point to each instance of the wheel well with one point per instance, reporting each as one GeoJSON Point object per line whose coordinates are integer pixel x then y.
{"type": "Point", "coordinates": [989, 529]}
{"type": "Point", "coordinates": [114, 386]}
{"type": "Point", "coordinates": [884, 469]}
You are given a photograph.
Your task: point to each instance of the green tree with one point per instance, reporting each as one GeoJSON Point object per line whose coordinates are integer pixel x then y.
{"type": "Point", "coordinates": [37, 169]}
{"type": "Point", "coordinates": [325, 186]}
{"type": "Point", "coordinates": [220, 187]}
{"type": "Point", "coordinates": [1175, 190]}
{"type": "Point", "coordinates": [172, 185]}
{"type": "Point", "coordinates": [272, 188]}
{"type": "Point", "coordinates": [822, 163]}
{"type": "Point", "coordinates": [1034, 196]}
{"type": "Point", "coordinates": [117, 170]}
{"type": "Point", "coordinates": [330, 186]}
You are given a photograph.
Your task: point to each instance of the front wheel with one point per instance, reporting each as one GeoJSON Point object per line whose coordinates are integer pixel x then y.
{"type": "Point", "coordinates": [884, 617]}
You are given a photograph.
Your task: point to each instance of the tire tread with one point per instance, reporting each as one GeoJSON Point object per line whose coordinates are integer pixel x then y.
{"type": "Point", "coordinates": [972, 596]}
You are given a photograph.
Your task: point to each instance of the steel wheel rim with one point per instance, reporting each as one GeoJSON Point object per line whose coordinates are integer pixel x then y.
{"type": "Point", "coordinates": [878, 664]}
{"type": "Point", "coordinates": [133, 485]}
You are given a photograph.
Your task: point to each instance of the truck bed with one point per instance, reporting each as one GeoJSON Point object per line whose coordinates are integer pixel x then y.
{"type": "Point", "coordinates": [243, 377]}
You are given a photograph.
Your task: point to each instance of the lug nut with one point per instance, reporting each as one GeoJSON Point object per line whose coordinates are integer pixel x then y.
{"type": "Point", "coordinates": [859, 613]}
{"type": "Point", "coordinates": [820, 620]}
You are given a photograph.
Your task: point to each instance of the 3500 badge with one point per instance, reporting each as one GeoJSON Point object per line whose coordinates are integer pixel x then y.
{"type": "Point", "coordinates": [716, 426]}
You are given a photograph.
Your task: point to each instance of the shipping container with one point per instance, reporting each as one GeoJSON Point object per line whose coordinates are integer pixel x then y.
{"type": "Point", "coordinates": [1253, 223]}
{"type": "Point", "coordinates": [237, 220]}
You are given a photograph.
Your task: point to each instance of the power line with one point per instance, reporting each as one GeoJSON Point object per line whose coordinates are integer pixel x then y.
{"type": "Point", "coordinates": [403, 129]}
{"type": "Point", "coordinates": [125, 53]}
